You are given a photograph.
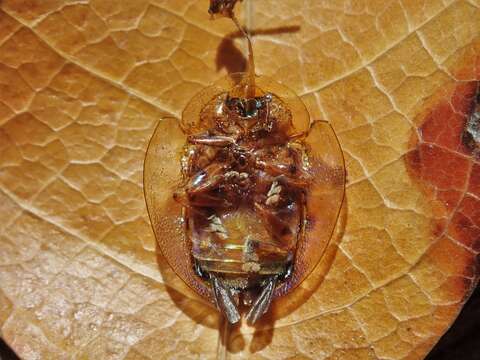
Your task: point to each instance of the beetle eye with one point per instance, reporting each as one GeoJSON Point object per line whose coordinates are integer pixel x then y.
{"type": "Point", "coordinates": [251, 107]}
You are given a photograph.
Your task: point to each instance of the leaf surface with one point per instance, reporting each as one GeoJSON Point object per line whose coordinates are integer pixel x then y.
{"type": "Point", "coordinates": [82, 86]}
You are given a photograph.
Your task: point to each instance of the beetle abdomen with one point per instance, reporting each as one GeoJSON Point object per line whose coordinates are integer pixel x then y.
{"type": "Point", "coordinates": [238, 243]}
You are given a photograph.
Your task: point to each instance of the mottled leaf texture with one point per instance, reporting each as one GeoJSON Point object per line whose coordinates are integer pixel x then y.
{"type": "Point", "coordinates": [83, 84]}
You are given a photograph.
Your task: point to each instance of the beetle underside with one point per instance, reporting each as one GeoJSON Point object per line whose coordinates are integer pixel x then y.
{"type": "Point", "coordinates": [246, 176]}
{"type": "Point", "coordinates": [261, 192]}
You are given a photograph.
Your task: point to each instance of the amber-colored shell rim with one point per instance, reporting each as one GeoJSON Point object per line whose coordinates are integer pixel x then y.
{"type": "Point", "coordinates": [323, 205]}
{"type": "Point", "coordinates": [162, 176]}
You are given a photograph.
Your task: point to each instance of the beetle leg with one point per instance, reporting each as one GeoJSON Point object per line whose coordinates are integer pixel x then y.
{"type": "Point", "coordinates": [198, 191]}
{"type": "Point", "coordinates": [206, 200]}
{"type": "Point", "coordinates": [254, 247]}
{"type": "Point", "coordinates": [181, 198]}
{"type": "Point", "coordinates": [299, 183]}
{"type": "Point", "coordinates": [209, 184]}
{"type": "Point", "coordinates": [210, 177]}
{"type": "Point", "coordinates": [215, 140]}
{"type": "Point", "coordinates": [225, 300]}
{"type": "Point", "coordinates": [198, 201]}
{"type": "Point", "coordinates": [283, 173]}
{"type": "Point", "coordinates": [262, 303]}
{"type": "Point", "coordinates": [272, 169]}
{"type": "Point", "coordinates": [274, 223]}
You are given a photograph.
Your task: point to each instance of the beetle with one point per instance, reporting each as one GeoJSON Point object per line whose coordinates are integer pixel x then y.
{"type": "Point", "coordinates": [244, 191]}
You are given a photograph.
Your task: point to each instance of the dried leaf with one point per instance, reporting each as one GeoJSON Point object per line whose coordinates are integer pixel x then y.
{"type": "Point", "coordinates": [82, 86]}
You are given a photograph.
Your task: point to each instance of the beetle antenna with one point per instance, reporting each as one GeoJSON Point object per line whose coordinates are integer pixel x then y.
{"type": "Point", "coordinates": [251, 61]}
{"type": "Point", "coordinates": [225, 8]}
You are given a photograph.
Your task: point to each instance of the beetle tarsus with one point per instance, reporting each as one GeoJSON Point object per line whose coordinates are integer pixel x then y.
{"type": "Point", "coordinates": [262, 303]}
{"type": "Point", "coordinates": [225, 300]}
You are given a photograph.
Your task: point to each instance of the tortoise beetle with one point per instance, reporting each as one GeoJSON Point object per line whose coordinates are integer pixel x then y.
{"type": "Point", "coordinates": [244, 192]}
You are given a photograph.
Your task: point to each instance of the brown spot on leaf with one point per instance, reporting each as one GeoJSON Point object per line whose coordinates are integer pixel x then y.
{"type": "Point", "coordinates": [448, 172]}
